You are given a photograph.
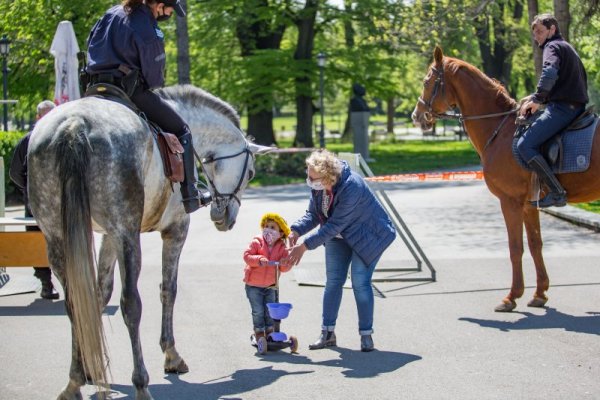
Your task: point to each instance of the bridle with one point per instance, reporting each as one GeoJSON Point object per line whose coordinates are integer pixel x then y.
{"type": "Point", "coordinates": [223, 199]}
{"type": "Point", "coordinates": [430, 113]}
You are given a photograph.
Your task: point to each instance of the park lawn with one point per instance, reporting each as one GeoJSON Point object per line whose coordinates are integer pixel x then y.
{"type": "Point", "coordinates": [593, 206]}
{"type": "Point", "coordinates": [390, 158]}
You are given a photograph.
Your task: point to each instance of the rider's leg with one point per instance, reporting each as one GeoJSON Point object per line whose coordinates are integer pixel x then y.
{"type": "Point", "coordinates": [555, 118]}
{"type": "Point", "coordinates": [169, 120]}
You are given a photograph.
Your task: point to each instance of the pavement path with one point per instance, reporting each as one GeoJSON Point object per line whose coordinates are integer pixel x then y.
{"type": "Point", "coordinates": [437, 340]}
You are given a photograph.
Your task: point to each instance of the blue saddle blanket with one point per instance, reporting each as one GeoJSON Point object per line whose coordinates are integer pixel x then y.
{"type": "Point", "coordinates": [569, 151]}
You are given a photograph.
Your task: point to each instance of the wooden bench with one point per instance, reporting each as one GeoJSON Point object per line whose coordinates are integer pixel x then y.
{"type": "Point", "coordinates": [22, 248]}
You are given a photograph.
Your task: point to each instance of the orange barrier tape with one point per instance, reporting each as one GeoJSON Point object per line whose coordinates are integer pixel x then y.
{"type": "Point", "coordinates": [429, 176]}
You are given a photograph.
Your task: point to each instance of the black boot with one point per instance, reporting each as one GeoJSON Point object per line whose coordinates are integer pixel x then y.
{"type": "Point", "coordinates": [327, 338]}
{"type": "Point", "coordinates": [45, 276]}
{"type": "Point", "coordinates": [189, 192]}
{"type": "Point", "coordinates": [557, 196]}
{"type": "Point", "coordinates": [366, 343]}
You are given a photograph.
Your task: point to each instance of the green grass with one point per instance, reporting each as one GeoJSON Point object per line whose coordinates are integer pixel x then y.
{"type": "Point", "coordinates": [593, 206]}
{"type": "Point", "coordinates": [390, 158]}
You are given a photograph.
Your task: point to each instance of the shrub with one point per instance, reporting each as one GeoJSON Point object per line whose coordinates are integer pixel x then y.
{"type": "Point", "coordinates": [8, 141]}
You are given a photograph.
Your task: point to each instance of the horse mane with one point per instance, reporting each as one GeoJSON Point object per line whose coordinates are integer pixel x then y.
{"type": "Point", "coordinates": [194, 97]}
{"type": "Point", "coordinates": [503, 99]}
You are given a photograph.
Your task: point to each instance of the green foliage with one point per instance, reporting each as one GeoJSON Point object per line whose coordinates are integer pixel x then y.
{"type": "Point", "coordinates": [274, 169]}
{"type": "Point", "coordinates": [8, 141]}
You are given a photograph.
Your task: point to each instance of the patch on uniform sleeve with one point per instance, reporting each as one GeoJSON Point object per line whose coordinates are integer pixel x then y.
{"type": "Point", "coordinates": [159, 34]}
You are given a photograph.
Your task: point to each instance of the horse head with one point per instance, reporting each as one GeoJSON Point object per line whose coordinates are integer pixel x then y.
{"type": "Point", "coordinates": [435, 98]}
{"type": "Point", "coordinates": [228, 174]}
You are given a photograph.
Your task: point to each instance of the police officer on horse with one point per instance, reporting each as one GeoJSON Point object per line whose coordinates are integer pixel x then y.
{"type": "Point", "coordinates": [126, 49]}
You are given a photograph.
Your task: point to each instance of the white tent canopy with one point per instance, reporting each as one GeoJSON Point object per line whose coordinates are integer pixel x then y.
{"type": "Point", "coordinates": [64, 49]}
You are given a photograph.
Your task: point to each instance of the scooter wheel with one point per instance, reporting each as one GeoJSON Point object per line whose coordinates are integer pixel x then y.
{"type": "Point", "coordinates": [293, 344]}
{"type": "Point", "coordinates": [261, 345]}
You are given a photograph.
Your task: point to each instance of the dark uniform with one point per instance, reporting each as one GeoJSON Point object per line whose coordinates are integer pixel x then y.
{"type": "Point", "coordinates": [127, 49]}
{"type": "Point", "coordinates": [562, 87]}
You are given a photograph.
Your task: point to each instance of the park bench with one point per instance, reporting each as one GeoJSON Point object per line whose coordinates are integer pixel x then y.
{"type": "Point", "coordinates": [21, 248]}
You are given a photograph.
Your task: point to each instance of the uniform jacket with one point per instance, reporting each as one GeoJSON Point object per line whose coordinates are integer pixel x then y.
{"type": "Point", "coordinates": [133, 40]}
{"type": "Point", "coordinates": [354, 213]}
{"type": "Point", "coordinates": [18, 167]}
{"type": "Point", "coordinates": [256, 275]}
{"type": "Point", "coordinates": [563, 77]}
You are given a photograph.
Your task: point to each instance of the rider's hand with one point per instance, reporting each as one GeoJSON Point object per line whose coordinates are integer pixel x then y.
{"type": "Point", "coordinates": [528, 107]}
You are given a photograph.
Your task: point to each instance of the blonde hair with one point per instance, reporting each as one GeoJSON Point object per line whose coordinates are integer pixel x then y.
{"type": "Point", "coordinates": [326, 164]}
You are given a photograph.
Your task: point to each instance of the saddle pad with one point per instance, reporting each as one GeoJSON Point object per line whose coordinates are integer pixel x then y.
{"type": "Point", "coordinates": [576, 150]}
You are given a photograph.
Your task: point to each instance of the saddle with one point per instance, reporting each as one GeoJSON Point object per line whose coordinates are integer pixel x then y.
{"type": "Point", "coordinates": [170, 149]}
{"type": "Point", "coordinates": [568, 151]}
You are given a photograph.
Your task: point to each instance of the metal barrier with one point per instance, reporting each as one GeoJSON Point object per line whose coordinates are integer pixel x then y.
{"type": "Point", "coordinates": [359, 165]}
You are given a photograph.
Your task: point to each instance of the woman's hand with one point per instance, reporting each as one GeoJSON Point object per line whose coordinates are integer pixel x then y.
{"type": "Point", "coordinates": [295, 255]}
{"type": "Point", "coordinates": [528, 107]}
{"type": "Point", "coordinates": [293, 238]}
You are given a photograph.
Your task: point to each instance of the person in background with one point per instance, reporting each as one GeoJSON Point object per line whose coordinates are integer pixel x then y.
{"type": "Point", "coordinates": [18, 174]}
{"type": "Point", "coordinates": [562, 87]}
{"type": "Point", "coordinates": [355, 229]}
{"type": "Point", "coordinates": [126, 48]}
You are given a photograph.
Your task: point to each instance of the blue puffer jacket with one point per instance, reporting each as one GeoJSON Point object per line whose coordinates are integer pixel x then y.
{"type": "Point", "coordinates": [355, 213]}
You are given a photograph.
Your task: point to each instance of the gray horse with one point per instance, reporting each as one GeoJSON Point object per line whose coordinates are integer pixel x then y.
{"type": "Point", "coordinates": [94, 166]}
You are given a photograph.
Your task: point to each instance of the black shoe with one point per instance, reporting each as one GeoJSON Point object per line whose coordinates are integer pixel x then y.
{"type": "Point", "coordinates": [366, 343]}
{"type": "Point", "coordinates": [551, 200]}
{"type": "Point", "coordinates": [48, 292]}
{"type": "Point", "coordinates": [327, 338]}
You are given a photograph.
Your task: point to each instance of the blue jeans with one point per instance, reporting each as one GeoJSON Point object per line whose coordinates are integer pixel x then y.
{"type": "Point", "coordinates": [339, 256]}
{"type": "Point", "coordinates": [554, 119]}
{"type": "Point", "coordinates": [259, 297]}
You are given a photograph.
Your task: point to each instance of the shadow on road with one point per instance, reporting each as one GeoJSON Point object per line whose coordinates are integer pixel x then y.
{"type": "Point", "coordinates": [553, 319]}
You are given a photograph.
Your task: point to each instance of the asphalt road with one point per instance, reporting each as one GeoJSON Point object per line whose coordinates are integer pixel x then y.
{"type": "Point", "coordinates": [437, 340]}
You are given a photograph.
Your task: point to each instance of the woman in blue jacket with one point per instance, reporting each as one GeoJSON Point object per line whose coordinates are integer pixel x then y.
{"type": "Point", "coordinates": [355, 229]}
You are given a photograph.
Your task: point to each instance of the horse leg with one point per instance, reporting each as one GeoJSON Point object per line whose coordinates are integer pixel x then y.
{"type": "Point", "coordinates": [173, 241]}
{"type": "Point", "coordinates": [76, 374]}
{"type": "Point", "coordinates": [513, 218]}
{"type": "Point", "coordinates": [129, 255]}
{"type": "Point", "coordinates": [534, 239]}
{"type": "Point", "coordinates": [106, 267]}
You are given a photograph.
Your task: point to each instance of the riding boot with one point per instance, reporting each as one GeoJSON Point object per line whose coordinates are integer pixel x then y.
{"type": "Point", "coordinates": [366, 343]}
{"type": "Point", "coordinates": [189, 192]}
{"type": "Point", "coordinates": [327, 338]}
{"type": "Point", "coordinates": [557, 196]}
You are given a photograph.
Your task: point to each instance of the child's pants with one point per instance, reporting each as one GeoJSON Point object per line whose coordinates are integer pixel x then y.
{"type": "Point", "coordinates": [259, 297]}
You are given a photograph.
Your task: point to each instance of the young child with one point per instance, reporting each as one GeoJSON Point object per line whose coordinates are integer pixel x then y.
{"type": "Point", "coordinates": [260, 275]}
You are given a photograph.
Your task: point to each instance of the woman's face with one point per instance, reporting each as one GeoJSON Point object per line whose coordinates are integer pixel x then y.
{"type": "Point", "coordinates": [316, 177]}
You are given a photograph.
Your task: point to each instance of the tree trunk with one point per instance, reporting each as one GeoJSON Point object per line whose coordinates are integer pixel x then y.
{"type": "Point", "coordinates": [390, 115]}
{"type": "Point", "coordinates": [183, 48]}
{"type": "Point", "coordinates": [254, 32]}
{"type": "Point", "coordinates": [304, 54]}
{"type": "Point", "coordinates": [563, 16]}
{"type": "Point", "coordinates": [532, 6]}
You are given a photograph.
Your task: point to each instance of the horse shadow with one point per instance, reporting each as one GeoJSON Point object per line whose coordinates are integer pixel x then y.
{"type": "Point", "coordinates": [355, 364]}
{"type": "Point", "coordinates": [241, 381]}
{"type": "Point", "coordinates": [42, 307]}
{"type": "Point", "coordinates": [552, 319]}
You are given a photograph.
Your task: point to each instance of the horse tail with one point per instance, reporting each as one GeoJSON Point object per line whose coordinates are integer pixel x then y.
{"type": "Point", "coordinates": [73, 156]}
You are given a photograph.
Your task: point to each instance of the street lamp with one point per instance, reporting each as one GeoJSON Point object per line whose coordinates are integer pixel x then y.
{"type": "Point", "coordinates": [321, 60]}
{"type": "Point", "coordinates": [4, 50]}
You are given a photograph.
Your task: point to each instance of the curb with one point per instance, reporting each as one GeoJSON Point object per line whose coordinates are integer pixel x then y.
{"type": "Point", "coordinates": [576, 216]}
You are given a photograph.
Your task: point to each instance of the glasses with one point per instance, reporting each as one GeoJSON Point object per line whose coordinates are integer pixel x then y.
{"type": "Point", "coordinates": [311, 178]}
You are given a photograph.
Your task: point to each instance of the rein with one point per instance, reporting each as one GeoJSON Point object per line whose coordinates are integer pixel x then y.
{"type": "Point", "coordinates": [223, 199]}
{"type": "Point", "coordinates": [430, 113]}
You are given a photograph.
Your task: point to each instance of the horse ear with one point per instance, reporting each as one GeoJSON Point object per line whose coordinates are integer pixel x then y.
{"type": "Point", "coordinates": [259, 149]}
{"type": "Point", "coordinates": [438, 55]}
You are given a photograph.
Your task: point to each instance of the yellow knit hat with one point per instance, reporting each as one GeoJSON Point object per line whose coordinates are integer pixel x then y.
{"type": "Point", "coordinates": [278, 219]}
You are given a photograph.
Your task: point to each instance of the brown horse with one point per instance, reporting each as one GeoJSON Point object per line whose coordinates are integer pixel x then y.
{"type": "Point", "coordinates": [488, 114]}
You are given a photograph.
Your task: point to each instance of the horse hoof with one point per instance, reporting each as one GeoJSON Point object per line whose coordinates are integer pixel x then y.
{"type": "Point", "coordinates": [506, 306]}
{"type": "Point", "coordinates": [537, 302]}
{"type": "Point", "coordinates": [180, 368]}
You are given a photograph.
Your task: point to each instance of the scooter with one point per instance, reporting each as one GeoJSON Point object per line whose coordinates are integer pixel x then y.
{"type": "Point", "coordinates": [276, 340]}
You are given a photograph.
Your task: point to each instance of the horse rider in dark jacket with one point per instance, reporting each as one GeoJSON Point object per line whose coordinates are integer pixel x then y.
{"type": "Point", "coordinates": [563, 89]}
{"type": "Point", "coordinates": [126, 48]}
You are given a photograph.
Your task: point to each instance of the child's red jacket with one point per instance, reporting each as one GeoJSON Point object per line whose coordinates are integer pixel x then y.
{"type": "Point", "coordinates": [256, 275]}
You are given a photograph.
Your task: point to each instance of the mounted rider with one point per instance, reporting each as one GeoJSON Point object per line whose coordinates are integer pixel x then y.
{"type": "Point", "coordinates": [562, 87]}
{"type": "Point", "coordinates": [126, 49]}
